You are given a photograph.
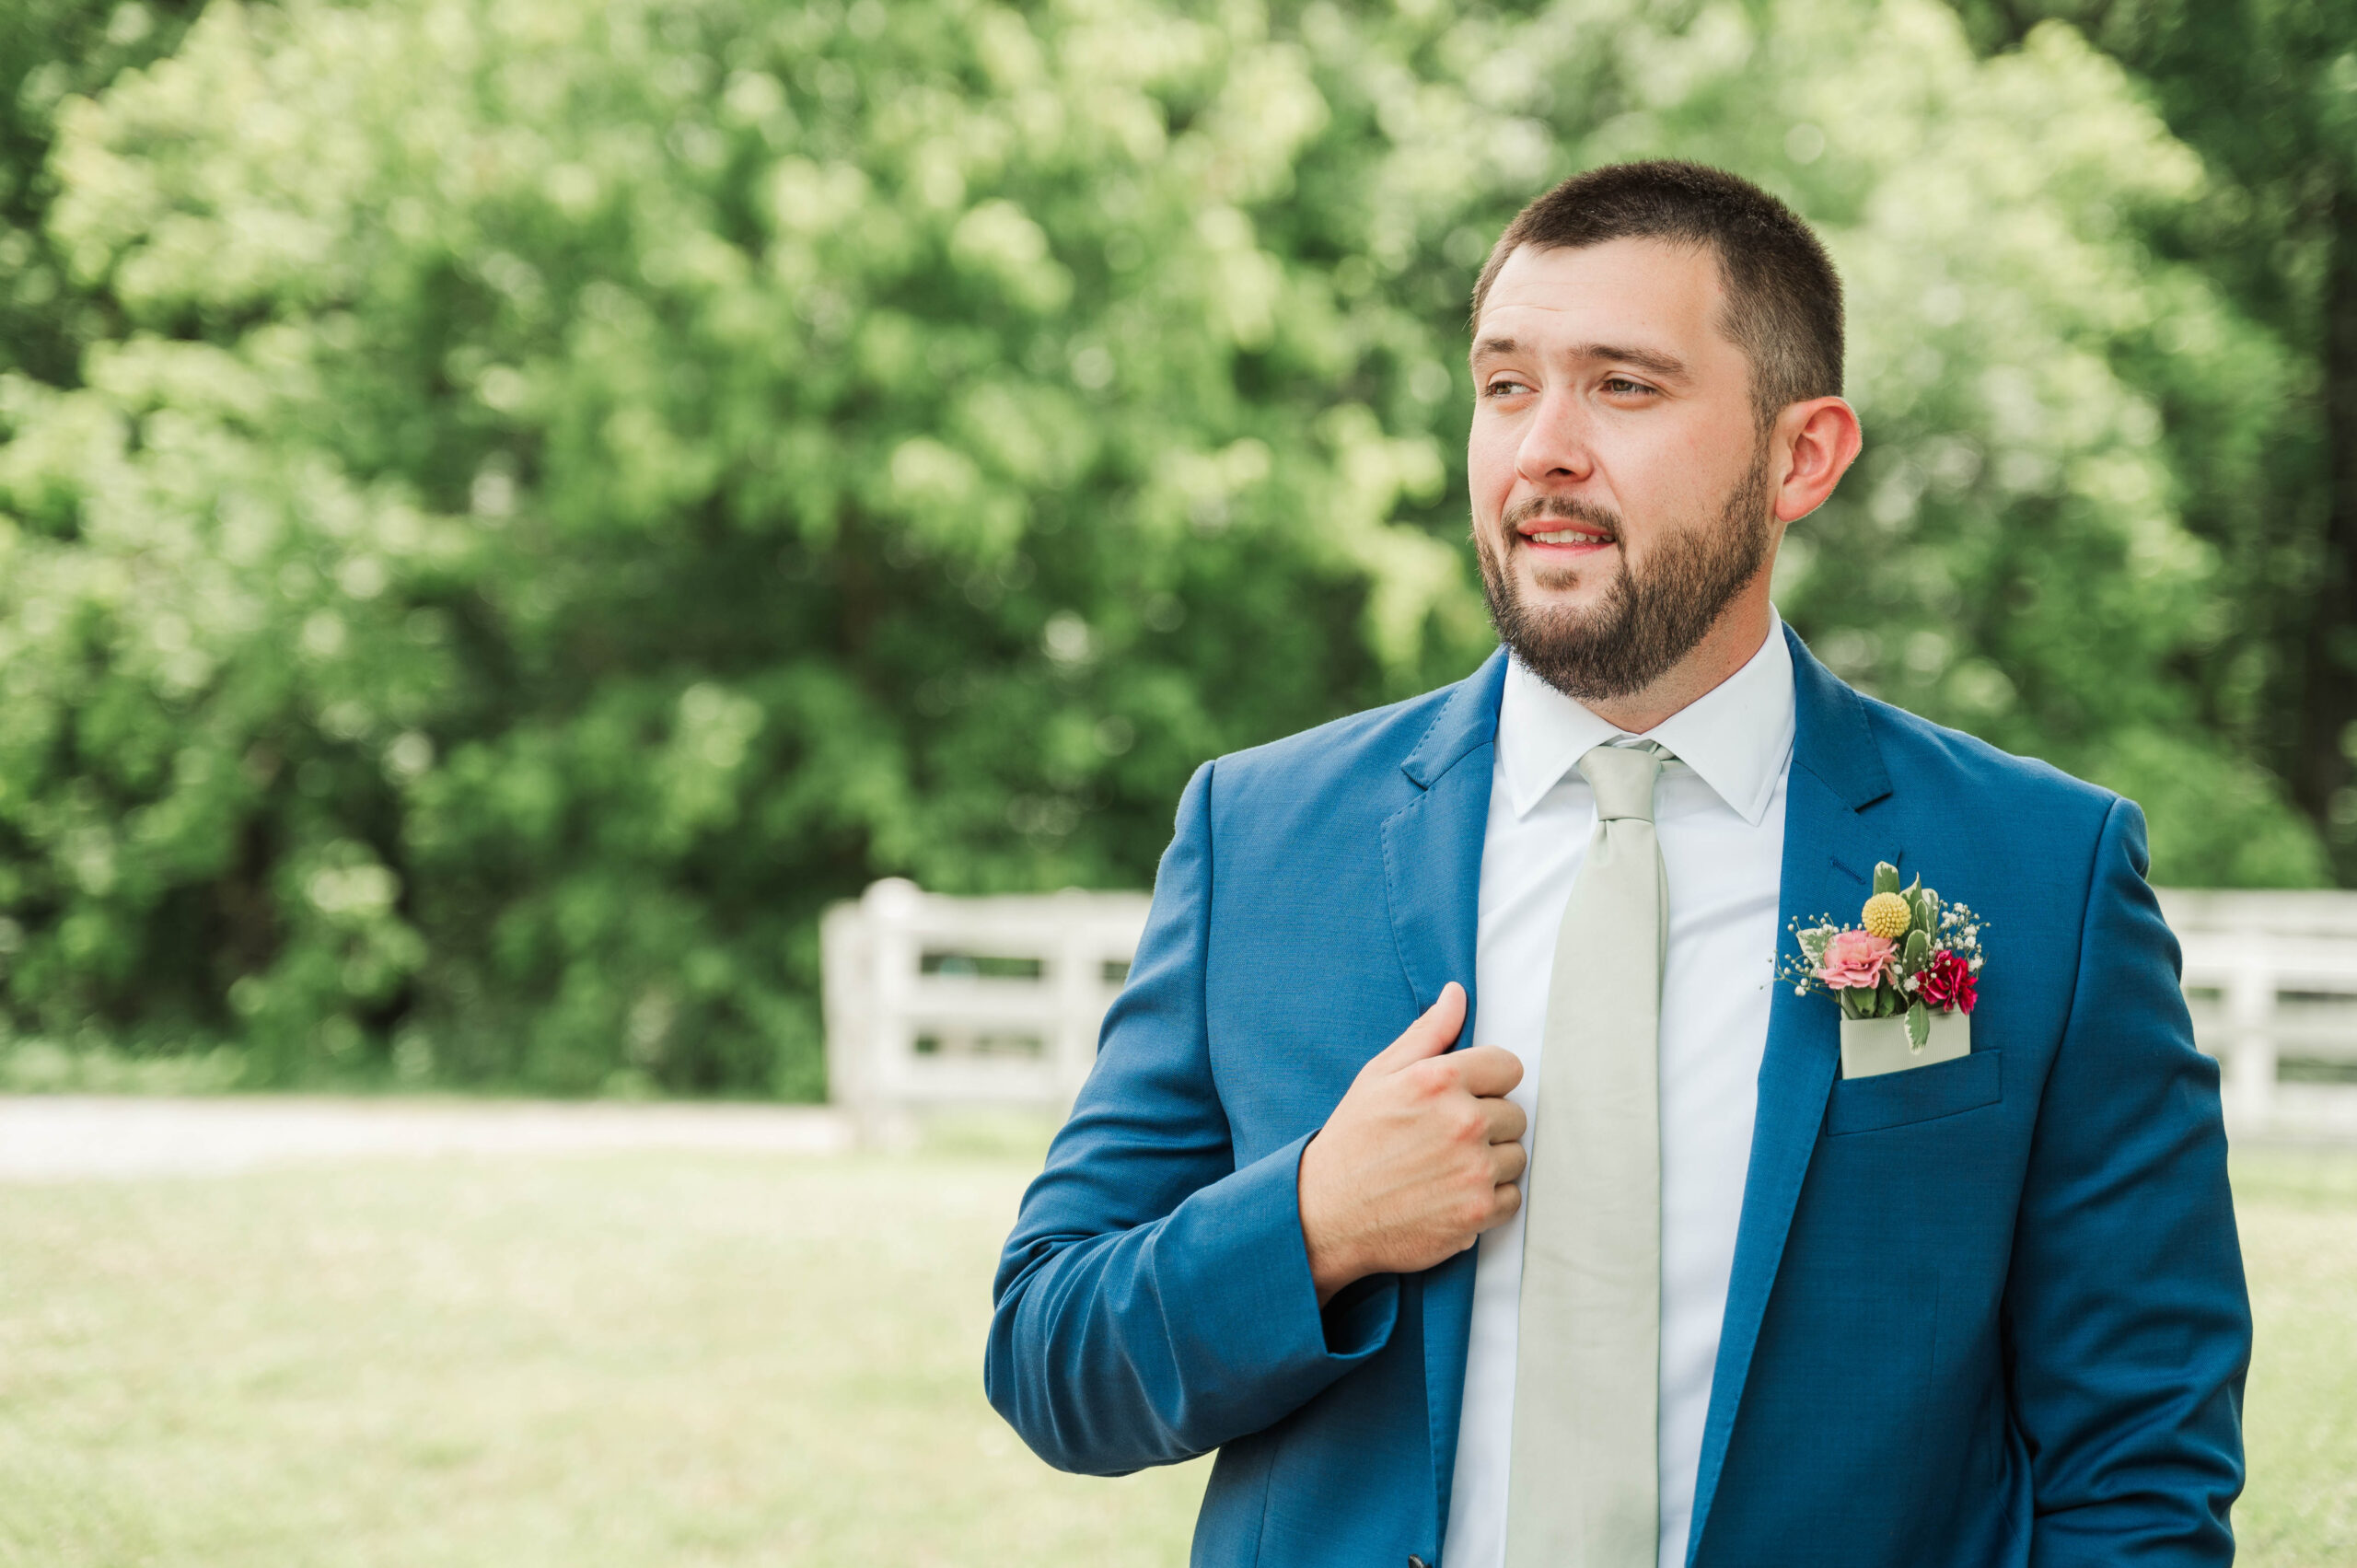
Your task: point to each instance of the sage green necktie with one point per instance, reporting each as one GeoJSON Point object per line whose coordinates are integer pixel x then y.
{"type": "Point", "coordinates": [1582, 1486]}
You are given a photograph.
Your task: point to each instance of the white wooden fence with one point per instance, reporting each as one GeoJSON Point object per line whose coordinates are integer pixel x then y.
{"type": "Point", "coordinates": [2272, 978]}
{"type": "Point", "coordinates": [935, 1002]}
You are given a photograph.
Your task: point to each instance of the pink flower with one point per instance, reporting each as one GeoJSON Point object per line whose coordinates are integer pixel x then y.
{"type": "Point", "coordinates": [1948, 982]}
{"type": "Point", "coordinates": [1855, 960]}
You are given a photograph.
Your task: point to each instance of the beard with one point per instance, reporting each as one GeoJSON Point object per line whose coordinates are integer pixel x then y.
{"type": "Point", "coordinates": [1650, 619]}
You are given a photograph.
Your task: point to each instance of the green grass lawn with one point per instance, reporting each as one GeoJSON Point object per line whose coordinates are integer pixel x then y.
{"type": "Point", "coordinates": [2298, 1213]}
{"type": "Point", "coordinates": [702, 1360]}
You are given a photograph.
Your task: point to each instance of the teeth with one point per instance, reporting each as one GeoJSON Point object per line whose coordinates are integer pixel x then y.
{"type": "Point", "coordinates": [1571, 536]}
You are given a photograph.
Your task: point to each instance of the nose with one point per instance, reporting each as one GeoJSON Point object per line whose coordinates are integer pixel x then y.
{"type": "Point", "coordinates": [1555, 448]}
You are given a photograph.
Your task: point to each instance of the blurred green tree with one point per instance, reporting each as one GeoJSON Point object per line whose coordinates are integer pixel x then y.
{"type": "Point", "coordinates": [2266, 91]}
{"type": "Point", "coordinates": [51, 50]}
{"type": "Point", "coordinates": [578, 490]}
{"type": "Point", "coordinates": [566, 493]}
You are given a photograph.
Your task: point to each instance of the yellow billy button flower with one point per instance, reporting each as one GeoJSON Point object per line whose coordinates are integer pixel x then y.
{"type": "Point", "coordinates": [1887, 915]}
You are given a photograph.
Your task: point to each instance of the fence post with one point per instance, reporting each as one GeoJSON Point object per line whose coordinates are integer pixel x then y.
{"type": "Point", "coordinates": [891, 907]}
{"type": "Point", "coordinates": [848, 1002]}
{"type": "Point", "coordinates": [2250, 1023]}
{"type": "Point", "coordinates": [1078, 1006]}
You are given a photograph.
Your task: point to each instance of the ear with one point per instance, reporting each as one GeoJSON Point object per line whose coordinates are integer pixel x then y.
{"type": "Point", "coordinates": [1817, 442]}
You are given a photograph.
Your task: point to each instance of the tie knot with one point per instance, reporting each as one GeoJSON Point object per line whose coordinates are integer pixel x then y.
{"type": "Point", "coordinates": [1622, 777]}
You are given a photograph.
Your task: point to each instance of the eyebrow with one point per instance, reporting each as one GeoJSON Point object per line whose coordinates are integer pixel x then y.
{"type": "Point", "coordinates": [1663, 364]}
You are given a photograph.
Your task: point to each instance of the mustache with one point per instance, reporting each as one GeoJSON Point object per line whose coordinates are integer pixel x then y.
{"type": "Point", "coordinates": [1562, 508]}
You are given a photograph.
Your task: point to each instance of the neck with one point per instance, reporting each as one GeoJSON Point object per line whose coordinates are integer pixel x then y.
{"type": "Point", "coordinates": [1727, 647]}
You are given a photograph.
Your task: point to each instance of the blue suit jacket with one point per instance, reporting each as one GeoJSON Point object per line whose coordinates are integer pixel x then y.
{"type": "Point", "coordinates": [1985, 1312]}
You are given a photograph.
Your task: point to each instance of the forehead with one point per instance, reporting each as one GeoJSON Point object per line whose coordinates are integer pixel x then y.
{"type": "Point", "coordinates": [1645, 293]}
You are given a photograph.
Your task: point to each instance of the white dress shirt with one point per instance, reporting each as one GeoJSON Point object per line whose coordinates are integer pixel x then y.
{"type": "Point", "coordinates": [1720, 821]}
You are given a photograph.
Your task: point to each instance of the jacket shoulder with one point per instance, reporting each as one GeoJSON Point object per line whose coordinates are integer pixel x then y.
{"type": "Point", "coordinates": [1971, 773]}
{"type": "Point", "coordinates": [1384, 735]}
{"type": "Point", "coordinates": [1355, 763]}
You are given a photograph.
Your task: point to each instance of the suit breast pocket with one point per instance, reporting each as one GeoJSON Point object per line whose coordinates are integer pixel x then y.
{"type": "Point", "coordinates": [1916, 1094]}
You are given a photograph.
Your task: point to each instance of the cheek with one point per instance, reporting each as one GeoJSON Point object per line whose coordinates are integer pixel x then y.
{"type": "Point", "coordinates": [1489, 466]}
{"type": "Point", "coordinates": [1677, 483]}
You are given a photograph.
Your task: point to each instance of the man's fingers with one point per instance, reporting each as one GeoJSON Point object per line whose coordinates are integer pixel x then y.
{"type": "Point", "coordinates": [1506, 1161]}
{"type": "Point", "coordinates": [1505, 1202]}
{"type": "Point", "coordinates": [1487, 1071]}
{"type": "Point", "coordinates": [1428, 1036]}
{"type": "Point", "coordinates": [1508, 1122]}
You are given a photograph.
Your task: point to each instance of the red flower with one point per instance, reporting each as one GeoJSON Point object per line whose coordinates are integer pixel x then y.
{"type": "Point", "coordinates": [1948, 982]}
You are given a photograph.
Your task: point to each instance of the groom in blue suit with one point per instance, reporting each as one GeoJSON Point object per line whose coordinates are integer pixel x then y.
{"type": "Point", "coordinates": [1713, 1302]}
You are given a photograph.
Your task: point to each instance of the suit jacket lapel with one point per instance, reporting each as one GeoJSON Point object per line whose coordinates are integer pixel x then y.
{"type": "Point", "coordinates": [1831, 842]}
{"type": "Point", "coordinates": [1432, 869]}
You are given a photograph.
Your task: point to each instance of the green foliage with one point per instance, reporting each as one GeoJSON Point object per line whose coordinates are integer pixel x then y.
{"type": "Point", "coordinates": [2266, 92]}
{"type": "Point", "coordinates": [581, 489]}
{"type": "Point", "coordinates": [563, 493]}
{"type": "Point", "coordinates": [49, 51]}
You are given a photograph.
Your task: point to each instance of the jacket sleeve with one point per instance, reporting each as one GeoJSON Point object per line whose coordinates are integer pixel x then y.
{"type": "Point", "coordinates": [2127, 1324]}
{"type": "Point", "coordinates": [1155, 1300]}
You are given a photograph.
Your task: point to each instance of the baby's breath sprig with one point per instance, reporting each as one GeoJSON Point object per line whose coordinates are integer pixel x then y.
{"type": "Point", "coordinates": [1960, 934]}
{"type": "Point", "coordinates": [1799, 971]}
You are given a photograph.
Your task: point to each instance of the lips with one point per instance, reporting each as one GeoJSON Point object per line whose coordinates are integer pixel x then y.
{"type": "Point", "coordinates": [1562, 528]}
{"type": "Point", "coordinates": [1554, 533]}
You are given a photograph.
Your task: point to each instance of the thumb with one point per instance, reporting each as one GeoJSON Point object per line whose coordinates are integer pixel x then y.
{"type": "Point", "coordinates": [1428, 1036]}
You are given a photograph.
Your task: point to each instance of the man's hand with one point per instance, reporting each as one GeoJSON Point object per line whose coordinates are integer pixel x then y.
{"type": "Point", "coordinates": [1419, 1159]}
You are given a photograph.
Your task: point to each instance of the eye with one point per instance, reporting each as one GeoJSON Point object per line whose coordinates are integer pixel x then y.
{"type": "Point", "coordinates": [1506, 387]}
{"type": "Point", "coordinates": [1622, 387]}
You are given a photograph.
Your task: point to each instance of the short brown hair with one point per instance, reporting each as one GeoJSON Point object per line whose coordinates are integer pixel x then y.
{"type": "Point", "coordinates": [1783, 297]}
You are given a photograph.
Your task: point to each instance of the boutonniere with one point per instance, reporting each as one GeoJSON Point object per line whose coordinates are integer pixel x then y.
{"type": "Point", "coordinates": [1907, 976]}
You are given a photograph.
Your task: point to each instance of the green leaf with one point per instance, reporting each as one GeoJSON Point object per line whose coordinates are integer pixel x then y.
{"type": "Point", "coordinates": [1919, 1026]}
{"type": "Point", "coordinates": [1886, 877]}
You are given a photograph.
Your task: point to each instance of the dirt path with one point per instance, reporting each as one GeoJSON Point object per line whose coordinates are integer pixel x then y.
{"type": "Point", "coordinates": [73, 1137]}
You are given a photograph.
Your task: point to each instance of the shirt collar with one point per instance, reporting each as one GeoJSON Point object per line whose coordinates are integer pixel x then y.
{"type": "Point", "coordinates": [1736, 737]}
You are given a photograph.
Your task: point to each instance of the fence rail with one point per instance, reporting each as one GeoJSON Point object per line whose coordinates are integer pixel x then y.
{"type": "Point", "coordinates": [935, 1002]}
{"type": "Point", "coordinates": [2271, 981]}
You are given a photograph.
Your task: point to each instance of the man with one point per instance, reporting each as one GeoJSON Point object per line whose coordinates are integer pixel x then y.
{"type": "Point", "coordinates": [1706, 1300]}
